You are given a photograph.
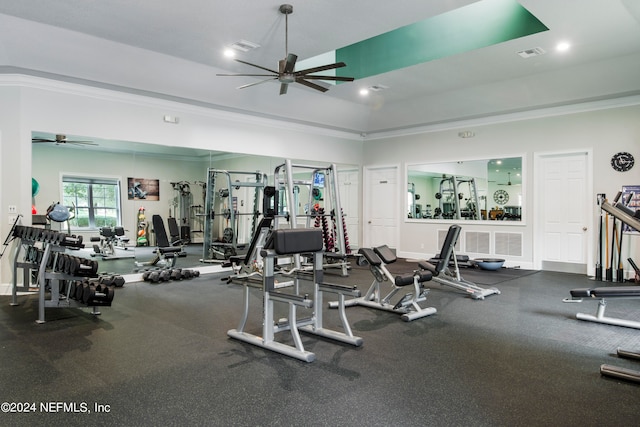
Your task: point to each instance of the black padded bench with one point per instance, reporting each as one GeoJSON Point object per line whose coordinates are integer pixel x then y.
{"type": "Point", "coordinates": [601, 294]}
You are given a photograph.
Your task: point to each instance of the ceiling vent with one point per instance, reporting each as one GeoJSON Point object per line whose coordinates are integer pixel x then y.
{"type": "Point", "coordinates": [377, 88]}
{"type": "Point", "coordinates": [244, 46]}
{"type": "Point", "coordinates": [528, 53]}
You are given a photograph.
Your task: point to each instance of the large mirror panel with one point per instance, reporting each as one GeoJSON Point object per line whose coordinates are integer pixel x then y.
{"type": "Point", "coordinates": [474, 190]}
{"type": "Point", "coordinates": [130, 182]}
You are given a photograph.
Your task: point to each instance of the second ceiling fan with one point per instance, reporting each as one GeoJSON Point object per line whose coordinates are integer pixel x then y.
{"type": "Point", "coordinates": [286, 73]}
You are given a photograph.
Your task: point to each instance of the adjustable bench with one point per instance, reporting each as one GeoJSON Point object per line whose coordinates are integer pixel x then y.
{"type": "Point", "coordinates": [408, 306]}
{"type": "Point", "coordinates": [166, 255]}
{"type": "Point", "coordinates": [443, 275]}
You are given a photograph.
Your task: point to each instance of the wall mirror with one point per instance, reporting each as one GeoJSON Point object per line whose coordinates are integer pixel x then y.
{"type": "Point", "coordinates": [155, 178]}
{"type": "Point", "coordinates": [470, 190]}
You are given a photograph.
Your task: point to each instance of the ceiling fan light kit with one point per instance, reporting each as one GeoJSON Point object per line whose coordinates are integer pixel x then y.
{"type": "Point", "coordinates": [286, 73]}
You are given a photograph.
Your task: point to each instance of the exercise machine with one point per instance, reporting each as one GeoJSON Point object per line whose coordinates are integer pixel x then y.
{"type": "Point", "coordinates": [319, 184]}
{"type": "Point", "coordinates": [284, 288]}
{"type": "Point", "coordinates": [175, 238]}
{"type": "Point", "coordinates": [602, 294]}
{"type": "Point", "coordinates": [230, 197]}
{"type": "Point", "coordinates": [250, 267]}
{"type": "Point", "coordinates": [443, 274]}
{"type": "Point", "coordinates": [182, 204]}
{"type": "Point", "coordinates": [110, 239]}
{"type": "Point", "coordinates": [449, 198]}
{"type": "Point", "coordinates": [408, 306]}
{"type": "Point", "coordinates": [166, 255]}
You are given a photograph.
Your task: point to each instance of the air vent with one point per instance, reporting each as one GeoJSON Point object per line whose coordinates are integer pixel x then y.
{"type": "Point", "coordinates": [244, 46]}
{"type": "Point", "coordinates": [528, 53]}
{"type": "Point", "coordinates": [377, 88]}
{"type": "Point", "coordinates": [477, 242]}
{"type": "Point", "coordinates": [509, 244]}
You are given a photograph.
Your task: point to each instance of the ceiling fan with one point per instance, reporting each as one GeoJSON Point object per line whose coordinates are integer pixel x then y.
{"type": "Point", "coordinates": [61, 139]}
{"type": "Point", "coordinates": [286, 73]}
{"type": "Point", "coordinates": [508, 181]}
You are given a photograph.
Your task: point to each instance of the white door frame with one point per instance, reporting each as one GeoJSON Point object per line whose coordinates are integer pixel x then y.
{"type": "Point", "coordinates": [369, 198]}
{"type": "Point", "coordinates": [538, 220]}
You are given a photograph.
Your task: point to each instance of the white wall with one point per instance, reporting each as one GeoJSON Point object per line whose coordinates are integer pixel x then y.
{"type": "Point", "coordinates": [604, 132]}
{"type": "Point", "coordinates": [33, 104]}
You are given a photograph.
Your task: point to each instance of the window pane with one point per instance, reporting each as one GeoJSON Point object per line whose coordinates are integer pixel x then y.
{"type": "Point", "coordinates": [96, 203]}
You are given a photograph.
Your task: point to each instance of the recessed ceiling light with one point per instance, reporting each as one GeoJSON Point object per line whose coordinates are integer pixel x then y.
{"type": "Point", "coordinates": [364, 92]}
{"type": "Point", "coordinates": [563, 46]}
{"type": "Point", "coordinates": [229, 53]}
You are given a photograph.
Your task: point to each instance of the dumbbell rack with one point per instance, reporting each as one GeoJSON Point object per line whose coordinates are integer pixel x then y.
{"type": "Point", "coordinates": [44, 252]}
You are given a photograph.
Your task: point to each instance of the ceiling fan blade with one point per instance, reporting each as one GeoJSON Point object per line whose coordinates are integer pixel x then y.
{"type": "Point", "coordinates": [80, 142]}
{"type": "Point", "coordinates": [290, 64]}
{"type": "Point", "coordinates": [37, 140]}
{"type": "Point", "coordinates": [301, 80]}
{"type": "Point", "coordinates": [283, 88]}
{"type": "Point", "coordinates": [256, 83]}
{"type": "Point", "coordinates": [257, 66]}
{"type": "Point", "coordinates": [333, 78]}
{"type": "Point", "coordinates": [247, 75]}
{"type": "Point", "coordinates": [321, 68]}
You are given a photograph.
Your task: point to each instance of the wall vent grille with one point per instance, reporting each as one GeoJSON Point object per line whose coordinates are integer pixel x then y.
{"type": "Point", "coordinates": [477, 242]}
{"type": "Point", "coordinates": [509, 244]}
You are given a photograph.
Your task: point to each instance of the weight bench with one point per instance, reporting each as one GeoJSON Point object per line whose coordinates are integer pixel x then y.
{"type": "Point", "coordinates": [174, 234]}
{"type": "Point", "coordinates": [443, 275]}
{"type": "Point", "coordinates": [166, 255]}
{"type": "Point", "coordinates": [288, 243]}
{"type": "Point", "coordinates": [602, 294]}
{"type": "Point", "coordinates": [408, 306]}
{"type": "Point", "coordinates": [252, 257]}
{"type": "Point", "coordinates": [111, 238]}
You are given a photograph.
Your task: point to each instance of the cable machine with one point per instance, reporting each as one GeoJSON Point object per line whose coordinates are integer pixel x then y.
{"type": "Point", "coordinates": [182, 204]}
{"type": "Point", "coordinates": [223, 235]}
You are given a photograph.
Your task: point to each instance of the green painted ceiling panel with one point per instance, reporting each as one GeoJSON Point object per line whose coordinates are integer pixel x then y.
{"type": "Point", "coordinates": [477, 25]}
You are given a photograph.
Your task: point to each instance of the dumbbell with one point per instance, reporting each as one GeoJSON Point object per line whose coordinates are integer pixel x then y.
{"type": "Point", "coordinates": [79, 290]}
{"type": "Point", "coordinates": [176, 274]}
{"type": "Point", "coordinates": [84, 267]}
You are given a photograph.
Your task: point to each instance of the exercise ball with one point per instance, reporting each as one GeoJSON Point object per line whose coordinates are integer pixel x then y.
{"type": "Point", "coordinates": [35, 187]}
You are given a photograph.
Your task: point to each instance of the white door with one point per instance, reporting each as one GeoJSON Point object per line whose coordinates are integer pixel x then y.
{"type": "Point", "coordinates": [350, 203]}
{"type": "Point", "coordinates": [563, 204]}
{"type": "Point", "coordinates": [381, 207]}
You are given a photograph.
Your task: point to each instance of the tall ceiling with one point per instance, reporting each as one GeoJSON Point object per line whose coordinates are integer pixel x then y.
{"type": "Point", "coordinates": [174, 50]}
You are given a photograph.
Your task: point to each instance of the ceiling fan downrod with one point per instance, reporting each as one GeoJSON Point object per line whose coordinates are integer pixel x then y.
{"type": "Point", "coordinates": [286, 10]}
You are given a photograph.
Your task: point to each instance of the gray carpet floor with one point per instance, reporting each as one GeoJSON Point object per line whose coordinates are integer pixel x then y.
{"type": "Point", "coordinates": [160, 356]}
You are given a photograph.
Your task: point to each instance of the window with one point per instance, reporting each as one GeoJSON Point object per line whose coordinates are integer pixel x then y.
{"type": "Point", "coordinates": [96, 201]}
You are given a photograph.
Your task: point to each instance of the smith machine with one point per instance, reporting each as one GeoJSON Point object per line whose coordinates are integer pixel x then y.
{"type": "Point", "coordinates": [230, 196]}
{"type": "Point", "coordinates": [317, 188]}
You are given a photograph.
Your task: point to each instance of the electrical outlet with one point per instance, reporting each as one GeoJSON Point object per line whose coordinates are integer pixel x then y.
{"type": "Point", "coordinates": [421, 245]}
{"type": "Point", "coordinates": [12, 219]}
{"type": "Point", "coordinates": [13, 209]}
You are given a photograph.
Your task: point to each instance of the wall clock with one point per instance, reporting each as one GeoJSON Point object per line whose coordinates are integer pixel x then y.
{"type": "Point", "coordinates": [622, 161]}
{"type": "Point", "coordinates": [501, 197]}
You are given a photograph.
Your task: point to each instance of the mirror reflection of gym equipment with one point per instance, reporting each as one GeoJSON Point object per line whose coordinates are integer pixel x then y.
{"type": "Point", "coordinates": [491, 190]}
{"type": "Point", "coordinates": [453, 203]}
{"type": "Point", "coordinates": [228, 202]}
